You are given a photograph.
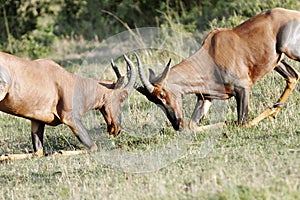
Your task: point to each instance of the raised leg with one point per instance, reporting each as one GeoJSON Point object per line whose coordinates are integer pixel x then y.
{"type": "Point", "coordinates": [291, 76]}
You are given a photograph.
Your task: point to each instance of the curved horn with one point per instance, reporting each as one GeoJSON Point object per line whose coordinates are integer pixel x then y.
{"type": "Point", "coordinates": [165, 72]}
{"type": "Point", "coordinates": [116, 69]}
{"type": "Point", "coordinates": [143, 78]}
{"type": "Point", "coordinates": [132, 79]}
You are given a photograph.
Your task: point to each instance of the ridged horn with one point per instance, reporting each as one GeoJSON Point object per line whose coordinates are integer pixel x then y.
{"type": "Point", "coordinates": [116, 69]}
{"type": "Point", "coordinates": [132, 79]}
{"type": "Point", "coordinates": [165, 72]}
{"type": "Point", "coordinates": [142, 75]}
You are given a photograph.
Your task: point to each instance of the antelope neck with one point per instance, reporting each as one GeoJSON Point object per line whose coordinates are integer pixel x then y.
{"type": "Point", "coordinates": [197, 74]}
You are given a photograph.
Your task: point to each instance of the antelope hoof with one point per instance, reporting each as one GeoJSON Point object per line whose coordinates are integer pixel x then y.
{"type": "Point", "coordinates": [278, 105]}
{"type": "Point", "coordinates": [93, 148]}
{"type": "Point", "coordinates": [193, 125]}
{"type": "Point", "coordinates": [249, 124]}
{"type": "Point", "coordinates": [275, 110]}
{"type": "Point", "coordinates": [4, 158]}
{"type": "Point", "coordinates": [39, 153]}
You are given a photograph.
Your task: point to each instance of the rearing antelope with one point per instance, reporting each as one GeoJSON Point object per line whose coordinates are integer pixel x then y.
{"type": "Point", "coordinates": [229, 62]}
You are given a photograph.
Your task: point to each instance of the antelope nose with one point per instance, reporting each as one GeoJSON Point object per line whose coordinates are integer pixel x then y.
{"type": "Point", "coordinates": [116, 131]}
{"type": "Point", "coordinates": [181, 127]}
{"type": "Point", "coordinates": [116, 134]}
{"type": "Point", "coordinates": [178, 125]}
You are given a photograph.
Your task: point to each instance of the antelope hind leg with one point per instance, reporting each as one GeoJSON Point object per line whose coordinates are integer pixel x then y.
{"type": "Point", "coordinates": [270, 112]}
{"type": "Point", "coordinates": [291, 76]}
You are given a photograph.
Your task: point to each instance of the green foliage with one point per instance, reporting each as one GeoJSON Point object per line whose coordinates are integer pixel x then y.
{"type": "Point", "coordinates": [31, 27]}
{"type": "Point", "coordinates": [21, 17]}
{"type": "Point", "coordinates": [25, 34]}
{"type": "Point", "coordinates": [230, 13]}
{"type": "Point", "coordinates": [91, 18]}
{"type": "Point", "coordinates": [33, 45]}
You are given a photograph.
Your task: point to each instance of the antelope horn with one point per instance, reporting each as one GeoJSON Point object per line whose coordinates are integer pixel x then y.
{"type": "Point", "coordinates": [165, 72]}
{"type": "Point", "coordinates": [116, 69]}
{"type": "Point", "coordinates": [132, 79]}
{"type": "Point", "coordinates": [143, 78]}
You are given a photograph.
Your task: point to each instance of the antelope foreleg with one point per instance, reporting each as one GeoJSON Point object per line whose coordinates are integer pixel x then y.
{"type": "Point", "coordinates": [291, 76]}
{"type": "Point", "coordinates": [81, 133]}
{"type": "Point", "coordinates": [201, 108]}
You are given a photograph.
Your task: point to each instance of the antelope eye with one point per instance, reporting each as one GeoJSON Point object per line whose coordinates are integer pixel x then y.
{"type": "Point", "coordinates": [161, 95]}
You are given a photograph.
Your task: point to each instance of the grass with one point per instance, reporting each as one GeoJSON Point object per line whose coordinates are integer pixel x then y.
{"type": "Point", "coordinates": [152, 161]}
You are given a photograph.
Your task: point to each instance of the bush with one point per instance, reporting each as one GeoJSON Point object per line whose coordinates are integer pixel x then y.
{"type": "Point", "coordinates": [38, 23]}
{"type": "Point", "coordinates": [24, 35]}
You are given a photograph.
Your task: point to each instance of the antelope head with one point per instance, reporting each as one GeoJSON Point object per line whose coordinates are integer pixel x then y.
{"type": "Point", "coordinates": [111, 110]}
{"type": "Point", "coordinates": [164, 94]}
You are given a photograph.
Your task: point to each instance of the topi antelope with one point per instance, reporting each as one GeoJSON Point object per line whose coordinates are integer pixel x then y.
{"type": "Point", "coordinates": [45, 93]}
{"type": "Point", "coordinates": [228, 63]}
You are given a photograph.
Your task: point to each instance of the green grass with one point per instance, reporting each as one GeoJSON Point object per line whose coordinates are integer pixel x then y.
{"type": "Point", "coordinates": [155, 162]}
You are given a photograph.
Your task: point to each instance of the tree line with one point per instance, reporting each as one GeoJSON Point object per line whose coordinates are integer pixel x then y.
{"type": "Point", "coordinates": [33, 25]}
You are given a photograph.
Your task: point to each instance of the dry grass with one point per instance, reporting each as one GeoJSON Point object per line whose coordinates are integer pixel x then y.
{"type": "Point", "coordinates": [151, 161]}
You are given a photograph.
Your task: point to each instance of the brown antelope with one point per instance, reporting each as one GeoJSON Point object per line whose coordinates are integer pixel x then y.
{"type": "Point", "coordinates": [229, 62]}
{"type": "Point", "coordinates": [45, 93]}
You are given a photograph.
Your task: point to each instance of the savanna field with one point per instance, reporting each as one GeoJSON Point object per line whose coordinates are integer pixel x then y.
{"type": "Point", "coordinates": [149, 160]}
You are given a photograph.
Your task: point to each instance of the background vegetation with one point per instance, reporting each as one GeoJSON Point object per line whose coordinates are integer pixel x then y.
{"type": "Point", "coordinates": [260, 162]}
{"type": "Point", "coordinates": [30, 27]}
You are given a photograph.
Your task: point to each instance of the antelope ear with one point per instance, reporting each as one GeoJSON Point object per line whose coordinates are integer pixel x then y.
{"type": "Point", "coordinates": [119, 82]}
{"type": "Point", "coordinates": [165, 73]}
{"type": "Point", "coordinates": [152, 75]}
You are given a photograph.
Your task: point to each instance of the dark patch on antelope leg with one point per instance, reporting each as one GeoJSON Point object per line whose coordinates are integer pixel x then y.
{"type": "Point", "coordinates": [242, 99]}
{"type": "Point", "coordinates": [37, 135]}
{"type": "Point", "coordinates": [198, 112]}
